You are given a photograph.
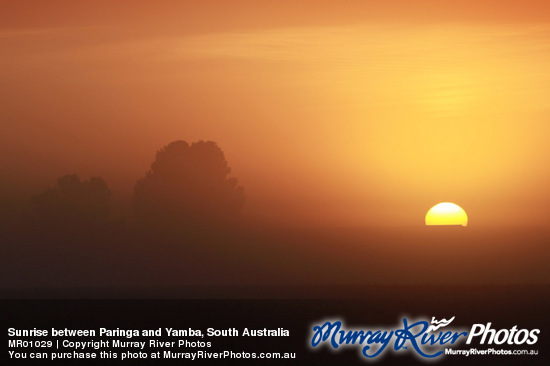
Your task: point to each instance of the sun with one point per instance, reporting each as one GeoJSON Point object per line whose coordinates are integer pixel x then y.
{"type": "Point", "coordinates": [446, 213]}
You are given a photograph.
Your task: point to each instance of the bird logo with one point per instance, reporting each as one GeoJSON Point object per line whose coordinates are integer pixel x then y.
{"type": "Point", "coordinates": [439, 324]}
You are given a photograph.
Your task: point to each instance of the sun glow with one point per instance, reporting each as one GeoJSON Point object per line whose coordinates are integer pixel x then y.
{"type": "Point", "coordinates": [446, 213]}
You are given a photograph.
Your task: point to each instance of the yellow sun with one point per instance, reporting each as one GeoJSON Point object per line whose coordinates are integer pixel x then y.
{"type": "Point", "coordinates": [446, 213]}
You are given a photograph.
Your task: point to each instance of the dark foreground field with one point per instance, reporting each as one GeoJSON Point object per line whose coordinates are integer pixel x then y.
{"type": "Point", "coordinates": [290, 278]}
{"type": "Point", "coordinates": [117, 258]}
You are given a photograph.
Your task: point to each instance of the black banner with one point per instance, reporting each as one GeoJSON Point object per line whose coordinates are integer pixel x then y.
{"type": "Point", "coordinates": [269, 331]}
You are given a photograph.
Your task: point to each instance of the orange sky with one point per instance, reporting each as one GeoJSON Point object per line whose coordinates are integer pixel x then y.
{"type": "Point", "coordinates": [362, 114]}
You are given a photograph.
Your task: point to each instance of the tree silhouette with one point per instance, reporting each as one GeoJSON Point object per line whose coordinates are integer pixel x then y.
{"type": "Point", "coordinates": [72, 203]}
{"type": "Point", "coordinates": [188, 186]}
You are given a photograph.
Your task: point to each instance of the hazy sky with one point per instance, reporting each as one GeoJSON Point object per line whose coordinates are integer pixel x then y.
{"type": "Point", "coordinates": [365, 113]}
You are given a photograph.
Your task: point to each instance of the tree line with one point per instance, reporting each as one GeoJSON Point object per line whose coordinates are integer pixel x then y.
{"type": "Point", "coordinates": [187, 188]}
